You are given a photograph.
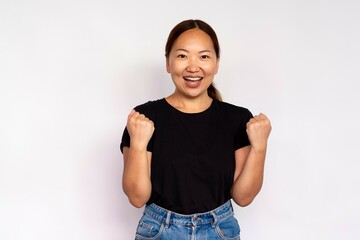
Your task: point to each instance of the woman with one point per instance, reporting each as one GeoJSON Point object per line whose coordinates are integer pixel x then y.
{"type": "Point", "coordinates": [187, 155]}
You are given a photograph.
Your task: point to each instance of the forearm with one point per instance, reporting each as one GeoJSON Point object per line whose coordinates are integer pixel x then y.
{"type": "Point", "coordinates": [136, 177]}
{"type": "Point", "coordinates": [248, 184]}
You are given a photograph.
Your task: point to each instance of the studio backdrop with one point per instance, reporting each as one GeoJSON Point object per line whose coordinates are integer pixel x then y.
{"type": "Point", "coordinates": [71, 71]}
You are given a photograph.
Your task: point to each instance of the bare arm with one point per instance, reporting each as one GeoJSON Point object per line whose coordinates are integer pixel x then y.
{"type": "Point", "coordinates": [250, 161]}
{"type": "Point", "coordinates": [137, 160]}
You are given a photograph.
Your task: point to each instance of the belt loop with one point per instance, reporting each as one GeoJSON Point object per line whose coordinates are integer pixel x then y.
{"type": "Point", "coordinates": [167, 221]}
{"type": "Point", "coordinates": [232, 208]}
{"type": "Point", "coordinates": [213, 224]}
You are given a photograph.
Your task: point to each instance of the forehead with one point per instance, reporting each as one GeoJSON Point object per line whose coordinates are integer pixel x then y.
{"type": "Point", "coordinates": [194, 38]}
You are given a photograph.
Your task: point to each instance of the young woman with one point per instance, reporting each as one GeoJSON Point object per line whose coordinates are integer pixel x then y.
{"type": "Point", "coordinates": [187, 155]}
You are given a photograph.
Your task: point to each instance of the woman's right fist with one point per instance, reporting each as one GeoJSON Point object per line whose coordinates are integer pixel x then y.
{"type": "Point", "coordinates": [140, 129]}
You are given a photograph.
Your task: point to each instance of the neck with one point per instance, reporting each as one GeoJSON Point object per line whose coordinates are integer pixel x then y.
{"type": "Point", "coordinates": [189, 105]}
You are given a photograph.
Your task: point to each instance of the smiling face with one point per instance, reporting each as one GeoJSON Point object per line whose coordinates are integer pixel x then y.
{"type": "Point", "coordinates": [192, 63]}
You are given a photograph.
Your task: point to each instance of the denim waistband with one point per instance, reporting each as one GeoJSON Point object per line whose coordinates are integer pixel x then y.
{"type": "Point", "coordinates": [169, 217]}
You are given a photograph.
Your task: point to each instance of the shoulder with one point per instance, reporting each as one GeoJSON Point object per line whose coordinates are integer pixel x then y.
{"type": "Point", "coordinates": [232, 110]}
{"type": "Point", "coordinates": [149, 105]}
{"type": "Point", "coordinates": [236, 118]}
{"type": "Point", "coordinates": [150, 108]}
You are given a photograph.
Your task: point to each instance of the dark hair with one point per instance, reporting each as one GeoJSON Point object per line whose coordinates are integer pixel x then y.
{"type": "Point", "coordinates": [188, 25]}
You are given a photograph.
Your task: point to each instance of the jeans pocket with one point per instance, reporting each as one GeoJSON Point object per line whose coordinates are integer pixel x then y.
{"type": "Point", "coordinates": [228, 229]}
{"type": "Point", "coordinates": [149, 228]}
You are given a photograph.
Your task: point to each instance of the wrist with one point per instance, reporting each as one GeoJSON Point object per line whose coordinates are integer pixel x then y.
{"type": "Point", "coordinates": [138, 147]}
{"type": "Point", "coordinates": [258, 149]}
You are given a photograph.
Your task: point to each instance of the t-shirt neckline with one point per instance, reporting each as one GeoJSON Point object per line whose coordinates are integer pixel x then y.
{"type": "Point", "coordinates": [185, 113]}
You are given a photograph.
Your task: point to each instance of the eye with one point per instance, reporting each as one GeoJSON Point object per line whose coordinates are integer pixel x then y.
{"type": "Point", "coordinates": [205, 57]}
{"type": "Point", "coordinates": [181, 56]}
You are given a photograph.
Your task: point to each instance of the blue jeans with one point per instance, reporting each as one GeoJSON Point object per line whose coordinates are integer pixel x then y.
{"type": "Point", "coordinates": [160, 224]}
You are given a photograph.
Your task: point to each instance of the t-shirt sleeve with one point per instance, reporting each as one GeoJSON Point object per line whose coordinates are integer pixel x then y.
{"type": "Point", "coordinates": [241, 137]}
{"type": "Point", "coordinates": [125, 140]}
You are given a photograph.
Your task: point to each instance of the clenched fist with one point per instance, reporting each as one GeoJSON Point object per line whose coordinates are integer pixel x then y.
{"type": "Point", "coordinates": [140, 129]}
{"type": "Point", "coordinates": [258, 129]}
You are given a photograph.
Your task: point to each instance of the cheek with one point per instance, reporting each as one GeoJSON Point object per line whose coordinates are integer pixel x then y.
{"type": "Point", "coordinates": [210, 69]}
{"type": "Point", "coordinates": [176, 67]}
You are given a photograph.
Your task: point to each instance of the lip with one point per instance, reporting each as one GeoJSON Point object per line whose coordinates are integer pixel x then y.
{"type": "Point", "coordinates": [192, 78]}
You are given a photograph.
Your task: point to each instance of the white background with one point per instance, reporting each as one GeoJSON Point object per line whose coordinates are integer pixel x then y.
{"type": "Point", "coordinates": [71, 71]}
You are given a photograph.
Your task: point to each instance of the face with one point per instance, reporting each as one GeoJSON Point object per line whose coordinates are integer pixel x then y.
{"type": "Point", "coordinates": [192, 63]}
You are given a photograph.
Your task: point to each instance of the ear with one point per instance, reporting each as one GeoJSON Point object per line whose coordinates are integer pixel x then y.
{"type": "Point", "coordinates": [167, 65]}
{"type": "Point", "coordinates": [217, 65]}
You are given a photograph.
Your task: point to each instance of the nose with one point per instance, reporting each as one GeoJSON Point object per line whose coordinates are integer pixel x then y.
{"type": "Point", "coordinates": [193, 66]}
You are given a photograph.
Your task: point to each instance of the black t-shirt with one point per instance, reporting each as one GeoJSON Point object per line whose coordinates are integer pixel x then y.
{"type": "Point", "coordinates": [193, 154]}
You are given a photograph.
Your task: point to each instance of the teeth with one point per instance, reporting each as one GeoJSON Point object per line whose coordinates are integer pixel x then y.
{"type": "Point", "coordinates": [193, 78]}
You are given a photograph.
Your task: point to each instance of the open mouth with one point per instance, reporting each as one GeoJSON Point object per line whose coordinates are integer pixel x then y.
{"type": "Point", "coordinates": [193, 79]}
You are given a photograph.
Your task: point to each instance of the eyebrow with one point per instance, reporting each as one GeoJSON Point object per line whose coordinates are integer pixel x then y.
{"type": "Point", "coordinates": [202, 51]}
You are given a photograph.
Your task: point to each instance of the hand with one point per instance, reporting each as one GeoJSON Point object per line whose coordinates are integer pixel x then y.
{"type": "Point", "coordinates": [258, 129]}
{"type": "Point", "coordinates": [140, 129]}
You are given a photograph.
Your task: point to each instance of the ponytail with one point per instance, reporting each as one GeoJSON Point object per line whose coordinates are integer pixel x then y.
{"type": "Point", "coordinates": [214, 93]}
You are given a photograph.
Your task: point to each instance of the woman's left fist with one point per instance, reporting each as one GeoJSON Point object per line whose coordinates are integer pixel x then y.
{"type": "Point", "coordinates": [258, 129]}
